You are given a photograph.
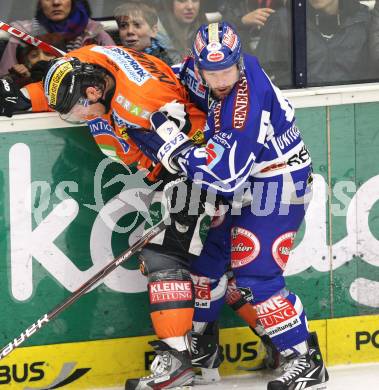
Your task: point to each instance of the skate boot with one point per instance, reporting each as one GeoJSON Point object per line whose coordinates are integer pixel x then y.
{"type": "Point", "coordinates": [304, 371]}
{"type": "Point", "coordinates": [273, 358]}
{"type": "Point", "coordinates": [207, 356]}
{"type": "Point", "coordinates": [170, 369]}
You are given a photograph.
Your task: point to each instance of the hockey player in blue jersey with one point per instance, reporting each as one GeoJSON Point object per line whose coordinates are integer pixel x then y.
{"type": "Point", "coordinates": [255, 157]}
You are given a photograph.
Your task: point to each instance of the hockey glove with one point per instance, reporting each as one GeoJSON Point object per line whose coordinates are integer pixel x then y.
{"type": "Point", "coordinates": [164, 144]}
{"type": "Point", "coordinates": [9, 97]}
{"type": "Point", "coordinates": [185, 201]}
{"type": "Point", "coordinates": [177, 113]}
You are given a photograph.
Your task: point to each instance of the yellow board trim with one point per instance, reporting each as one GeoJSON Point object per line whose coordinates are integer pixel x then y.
{"type": "Point", "coordinates": [107, 363]}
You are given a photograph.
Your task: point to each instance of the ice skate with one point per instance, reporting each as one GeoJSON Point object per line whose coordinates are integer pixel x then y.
{"type": "Point", "coordinates": [206, 355]}
{"type": "Point", "coordinates": [273, 358]}
{"type": "Point", "coordinates": [171, 369]}
{"type": "Point", "coordinates": [303, 372]}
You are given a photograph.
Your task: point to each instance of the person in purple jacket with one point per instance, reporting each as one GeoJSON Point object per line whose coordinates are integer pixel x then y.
{"type": "Point", "coordinates": [68, 18]}
{"type": "Point", "coordinates": [255, 157]}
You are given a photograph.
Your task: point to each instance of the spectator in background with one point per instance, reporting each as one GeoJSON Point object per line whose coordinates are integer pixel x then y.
{"type": "Point", "coordinates": [138, 27]}
{"type": "Point", "coordinates": [179, 20]}
{"type": "Point", "coordinates": [374, 39]}
{"type": "Point", "coordinates": [32, 61]}
{"type": "Point", "coordinates": [250, 16]}
{"type": "Point", "coordinates": [70, 18]}
{"type": "Point", "coordinates": [337, 43]}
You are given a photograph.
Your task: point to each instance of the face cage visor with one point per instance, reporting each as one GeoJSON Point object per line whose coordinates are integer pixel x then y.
{"type": "Point", "coordinates": [82, 111]}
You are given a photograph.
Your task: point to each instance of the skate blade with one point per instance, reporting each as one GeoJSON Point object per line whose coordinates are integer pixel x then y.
{"type": "Point", "coordinates": [200, 381]}
{"type": "Point", "coordinates": [185, 386]}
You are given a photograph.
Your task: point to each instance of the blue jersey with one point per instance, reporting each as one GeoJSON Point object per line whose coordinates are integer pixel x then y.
{"type": "Point", "coordinates": [198, 93]}
{"type": "Point", "coordinates": [250, 134]}
{"type": "Point", "coordinates": [254, 149]}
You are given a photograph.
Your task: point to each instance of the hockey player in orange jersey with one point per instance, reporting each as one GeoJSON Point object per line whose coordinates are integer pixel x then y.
{"type": "Point", "coordinates": [113, 89]}
{"type": "Point", "coordinates": [128, 86]}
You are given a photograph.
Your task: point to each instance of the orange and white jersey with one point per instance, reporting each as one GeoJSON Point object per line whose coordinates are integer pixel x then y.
{"type": "Point", "coordinates": [143, 85]}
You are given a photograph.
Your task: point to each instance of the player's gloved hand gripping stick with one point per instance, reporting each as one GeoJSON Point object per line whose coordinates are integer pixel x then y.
{"type": "Point", "coordinates": [10, 95]}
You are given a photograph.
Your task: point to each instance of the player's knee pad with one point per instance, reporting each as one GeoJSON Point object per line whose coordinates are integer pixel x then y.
{"type": "Point", "coordinates": [152, 261]}
{"type": "Point", "coordinates": [209, 297]}
{"type": "Point", "coordinates": [284, 320]}
{"type": "Point", "coordinates": [172, 297]}
{"type": "Point", "coordinates": [170, 289]}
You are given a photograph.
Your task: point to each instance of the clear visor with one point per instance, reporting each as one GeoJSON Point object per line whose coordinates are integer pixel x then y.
{"type": "Point", "coordinates": [83, 111]}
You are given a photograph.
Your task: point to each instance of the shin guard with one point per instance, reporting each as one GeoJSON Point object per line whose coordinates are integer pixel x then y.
{"type": "Point", "coordinates": [171, 295]}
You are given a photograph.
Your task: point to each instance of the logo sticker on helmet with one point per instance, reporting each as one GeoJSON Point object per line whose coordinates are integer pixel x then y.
{"type": "Point", "coordinates": [245, 247]}
{"type": "Point", "coordinates": [215, 56]}
{"type": "Point", "coordinates": [214, 46]}
{"type": "Point", "coordinates": [199, 44]}
{"type": "Point", "coordinates": [56, 81]}
{"type": "Point", "coordinates": [52, 69]}
{"type": "Point", "coordinates": [230, 39]}
{"type": "Point", "coordinates": [213, 32]}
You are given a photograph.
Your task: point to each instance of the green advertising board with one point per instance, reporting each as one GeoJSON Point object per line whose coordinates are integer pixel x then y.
{"type": "Point", "coordinates": [62, 219]}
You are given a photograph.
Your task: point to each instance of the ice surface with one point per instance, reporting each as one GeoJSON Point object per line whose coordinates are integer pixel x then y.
{"type": "Point", "coordinates": [349, 377]}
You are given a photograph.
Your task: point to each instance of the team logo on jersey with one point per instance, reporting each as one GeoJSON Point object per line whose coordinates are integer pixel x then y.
{"type": "Point", "coordinates": [122, 122]}
{"type": "Point", "coordinates": [193, 82]}
{"type": "Point", "coordinates": [129, 65]}
{"type": "Point", "coordinates": [281, 248]}
{"type": "Point", "coordinates": [215, 56]}
{"type": "Point", "coordinates": [214, 153]}
{"type": "Point", "coordinates": [109, 143]}
{"type": "Point", "coordinates": [202, 286]}
{"type": "Point", "coordinates": [288, 137]}
{"type": "Point", "coordinates": [241, 106]}
{"type": "Point", "coordinates": [245, 247]}
{"type": "Point", "coordinates": [216, 116]}
{"type": "Point", "coordinates": [277, 315]}
{"type": "Point", "coordinates": [131, 107]}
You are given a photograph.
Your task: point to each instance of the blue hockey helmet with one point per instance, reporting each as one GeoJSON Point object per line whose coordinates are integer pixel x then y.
{"type": "Point", "coordinates": [216, 46]}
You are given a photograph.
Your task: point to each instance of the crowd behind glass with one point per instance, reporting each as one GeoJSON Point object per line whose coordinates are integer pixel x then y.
{"type": "Point", "coordinates": [342, 35]}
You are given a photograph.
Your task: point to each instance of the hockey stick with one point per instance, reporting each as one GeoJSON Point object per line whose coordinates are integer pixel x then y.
{"type": "Point", "coordinates": [84, 288]}
{"type": "Point", "coordinates": [31, 40]}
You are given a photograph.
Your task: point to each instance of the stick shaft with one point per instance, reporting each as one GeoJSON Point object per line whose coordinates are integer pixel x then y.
{"type": "Point", "coordinates": [22, 35]}
{"type": "Point", "coordinates": [33, 328]}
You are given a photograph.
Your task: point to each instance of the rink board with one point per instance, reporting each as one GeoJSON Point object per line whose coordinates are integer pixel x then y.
{"type": "Point", "coordinates": [107, 363]}
{"type": "Point", "coordinates": [58, 206]}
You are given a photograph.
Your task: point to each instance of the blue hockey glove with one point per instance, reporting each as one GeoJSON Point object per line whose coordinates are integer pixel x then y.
{"type": "Point", "coordinates": [148, 142]}
{"type": "Point", "coordinates": [176, 112]}
{"type": "Point", "coordinates": [164, 144]}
